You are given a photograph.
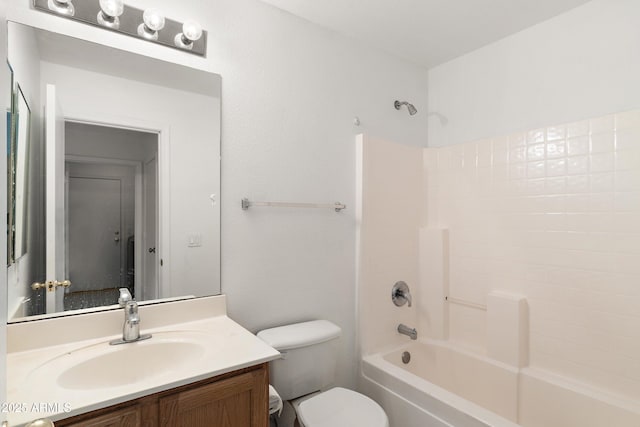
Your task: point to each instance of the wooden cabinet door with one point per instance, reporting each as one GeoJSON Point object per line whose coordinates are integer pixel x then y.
{"type": "Point", "coordinates": [128, 417]}
{"type": "Point", "coordinates": [238, 401]}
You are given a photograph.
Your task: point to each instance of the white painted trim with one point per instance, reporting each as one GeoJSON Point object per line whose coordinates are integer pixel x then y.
{"type": "Point", "coordinates": [144, 211]}
{"type": "Point", "coordinates": [66, 226]}
{"type": "Point", "coordinates": [54, 221]}
{"type": "Point", "coordinates": [137, 232]}
{"type": "Point", "coordinates": [359, 190]}
{"type": "Point", "coordinates": [100, 160]}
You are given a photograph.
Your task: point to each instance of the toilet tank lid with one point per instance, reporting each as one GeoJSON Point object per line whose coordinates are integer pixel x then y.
{"type": "Point", "coordinates": [299, 335]}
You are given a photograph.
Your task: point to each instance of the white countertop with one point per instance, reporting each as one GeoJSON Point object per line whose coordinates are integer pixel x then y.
{"type": "Point", "coordinates": [33, 387]}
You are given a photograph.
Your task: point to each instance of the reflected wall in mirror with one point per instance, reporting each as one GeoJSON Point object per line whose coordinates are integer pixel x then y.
{"type": "Point", "coordinates": [123, 177]}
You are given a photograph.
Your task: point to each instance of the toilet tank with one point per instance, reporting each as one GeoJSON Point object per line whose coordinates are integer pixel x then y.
{"type": "Point", "coordinates": [309, 354]}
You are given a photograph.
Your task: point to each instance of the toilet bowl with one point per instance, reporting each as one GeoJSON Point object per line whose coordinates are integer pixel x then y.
{"type": "Point", "coordinates": [305, 373]}
{"type": "Point", "coordinates": [340, 407]}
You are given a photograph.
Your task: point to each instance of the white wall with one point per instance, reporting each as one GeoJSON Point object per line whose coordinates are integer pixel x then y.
{"type": "Point", "coordinates": [584, 63]}
{"type": "Point", "coordinates": [290, 92]}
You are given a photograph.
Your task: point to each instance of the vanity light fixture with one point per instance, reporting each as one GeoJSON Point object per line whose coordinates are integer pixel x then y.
{"type": "Point", "coordinates": [153, 21]}
{"type": "Point", "coordinates": [114, 15]}
{"type": "Point", "coordinates": [110, 10]}
{"type": "Point", "coordinates": [63, 7]}
{"type": "Point", "coordinates": [191, 31]}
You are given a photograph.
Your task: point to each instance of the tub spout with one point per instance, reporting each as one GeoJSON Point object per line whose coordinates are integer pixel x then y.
{"type": "Point", "coordinates": [410, 332]}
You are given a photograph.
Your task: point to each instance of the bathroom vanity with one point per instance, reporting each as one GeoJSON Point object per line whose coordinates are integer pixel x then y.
{"type": "Point", "coordinates": [199, 368]}
{"type": "Point", "coordinates": [239, 398]}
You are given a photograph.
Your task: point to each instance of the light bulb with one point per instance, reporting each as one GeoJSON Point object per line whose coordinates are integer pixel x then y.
{"type": "Point", "coordinates": [154, 19]}
{"type": "Point", "coordinates": [113, 8]}
{"type": "Point", "coordinates": [153, 22]}
{"type": "Point", "coordinates": [109, 13]}
{"type": "Point", "coordinates": [191, 31]}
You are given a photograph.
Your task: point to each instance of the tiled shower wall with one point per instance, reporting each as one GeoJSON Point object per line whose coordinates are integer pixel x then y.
{"type": "Point", "coordinates": [554, 214]}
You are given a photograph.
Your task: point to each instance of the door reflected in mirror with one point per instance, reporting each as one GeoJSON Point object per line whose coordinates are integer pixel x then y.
{"type": "Point", "coordinates": [122, 182]}
{"type": "Point", "coordinates": [110, 175]}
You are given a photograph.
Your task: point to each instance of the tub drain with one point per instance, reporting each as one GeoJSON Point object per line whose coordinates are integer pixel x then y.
{"type": "Point", "coordinates": [406, 357]}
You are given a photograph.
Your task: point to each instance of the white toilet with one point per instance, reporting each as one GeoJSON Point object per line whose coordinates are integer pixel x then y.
{"type": "Point", "coordinates": [307, 368]}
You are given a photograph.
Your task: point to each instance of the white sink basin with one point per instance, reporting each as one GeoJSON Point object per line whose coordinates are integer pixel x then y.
{"type": "Point", "coordinates": [129, 364]}
{"type": "Point", "coordinates": [106, 366]}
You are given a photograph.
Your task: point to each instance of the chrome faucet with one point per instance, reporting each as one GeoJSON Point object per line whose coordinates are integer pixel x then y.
{"type": "Point", "coordinates": [400, 294]}
{"type": "Point", "coordinates": [131, 327]}
{"type": "Point", "coordinates": [410, 332]}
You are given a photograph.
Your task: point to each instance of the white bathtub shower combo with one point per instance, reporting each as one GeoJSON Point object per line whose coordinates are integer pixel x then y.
{"type": "Point", "coordinates": [514, 253]}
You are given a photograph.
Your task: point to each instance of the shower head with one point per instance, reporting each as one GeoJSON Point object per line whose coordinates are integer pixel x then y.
{"type": "Point", "coordinates": [412, 110]}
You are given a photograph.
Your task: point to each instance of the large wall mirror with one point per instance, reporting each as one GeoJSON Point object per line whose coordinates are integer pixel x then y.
{"type": "Point", "coordinates": [116, 177]}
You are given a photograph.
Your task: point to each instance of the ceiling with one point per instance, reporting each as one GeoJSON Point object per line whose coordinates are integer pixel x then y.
{"type": "Point", "coordinates": [426, 32]}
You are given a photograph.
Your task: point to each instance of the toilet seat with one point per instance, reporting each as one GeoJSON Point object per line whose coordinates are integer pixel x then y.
{"type": "Point", "coordinates": [339, 407]}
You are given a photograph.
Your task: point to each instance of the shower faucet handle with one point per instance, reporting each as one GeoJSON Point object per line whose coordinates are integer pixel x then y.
{"type": "Point", "coordinates": [400, 294]}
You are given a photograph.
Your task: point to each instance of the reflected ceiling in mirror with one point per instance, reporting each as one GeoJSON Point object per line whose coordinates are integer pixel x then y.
{"type": "Point", "coordinates": [124, 177]}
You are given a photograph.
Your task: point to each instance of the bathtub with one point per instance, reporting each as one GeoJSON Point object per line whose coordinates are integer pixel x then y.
{"type": "Point", "coordinates": [445, 386]}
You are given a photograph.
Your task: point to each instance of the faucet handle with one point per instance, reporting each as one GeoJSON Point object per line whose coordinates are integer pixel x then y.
{"type": "Point", "coordinates": [125, 297]}
{"type": "Point", "coordinates": [400, 294]}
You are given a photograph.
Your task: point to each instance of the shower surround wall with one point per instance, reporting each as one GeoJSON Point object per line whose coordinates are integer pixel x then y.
{"type": "Point", "coordinates": [388, 215]}
{"type": "Point", "coordinates": [553, 219]}
{"type": "Point", "coordinates": [552, 214]}
{"type": "Point", "coordinates": [534, 239]}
